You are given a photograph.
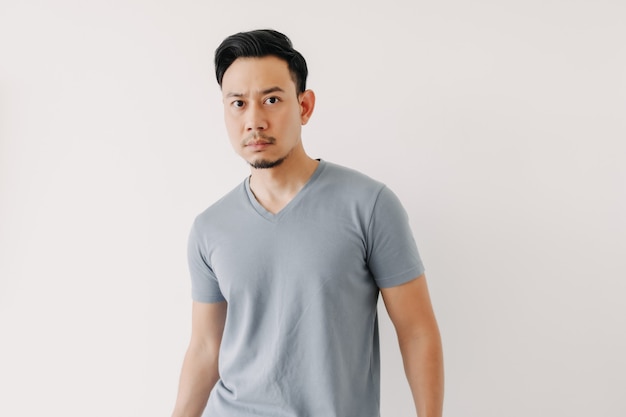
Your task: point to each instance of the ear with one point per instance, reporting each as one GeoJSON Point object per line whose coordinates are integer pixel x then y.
{"type": "Point", "coordinates": [307, 104]}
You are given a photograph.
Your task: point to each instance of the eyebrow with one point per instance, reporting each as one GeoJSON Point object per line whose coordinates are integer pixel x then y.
{"type": "Point", "coordinates": [262, 92]}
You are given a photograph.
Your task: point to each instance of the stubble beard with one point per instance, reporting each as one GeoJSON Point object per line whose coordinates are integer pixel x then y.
{"type": "Point", "coordinates": [264, 163]}
{"type": "Point", "coordinates": [267, 164]}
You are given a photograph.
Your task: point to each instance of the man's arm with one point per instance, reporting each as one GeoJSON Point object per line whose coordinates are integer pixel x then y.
{"type": "Point", "coordinates": [411, 312]}
{"type": "Point", "coordinates": [200, 372]}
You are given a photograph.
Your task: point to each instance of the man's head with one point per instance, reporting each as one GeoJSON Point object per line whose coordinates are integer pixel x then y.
{"type": "Point", "coordinates": [265, 100]}
{"type": "Point", "coordinates": [258, 44]}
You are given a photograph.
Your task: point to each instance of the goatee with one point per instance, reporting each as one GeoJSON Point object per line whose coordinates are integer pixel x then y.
{"type": "Point", "coordinates": [266, 164]}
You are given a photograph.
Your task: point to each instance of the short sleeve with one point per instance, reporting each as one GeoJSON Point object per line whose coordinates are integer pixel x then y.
{"type": "Point", "coordinates": [204, 284]}
{"type": "Point", "coordinates": [392, 253]}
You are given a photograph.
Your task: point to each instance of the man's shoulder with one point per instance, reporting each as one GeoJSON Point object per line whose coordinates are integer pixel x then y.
{"type": "Point", "coordinates": [228, 204]}
{"type": "Point", "coordinates": [343, 176]}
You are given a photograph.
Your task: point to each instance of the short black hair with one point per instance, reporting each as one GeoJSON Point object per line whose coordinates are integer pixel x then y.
{"type": "Point", "coordinates": [257, 44]}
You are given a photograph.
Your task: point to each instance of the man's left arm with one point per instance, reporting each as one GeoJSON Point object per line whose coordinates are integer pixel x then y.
{"type": "Point", "coordinates": [411, 312]}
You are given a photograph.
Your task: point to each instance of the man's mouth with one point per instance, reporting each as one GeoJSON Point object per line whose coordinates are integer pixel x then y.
{"type": "Point", "coordinates": [258, 140]}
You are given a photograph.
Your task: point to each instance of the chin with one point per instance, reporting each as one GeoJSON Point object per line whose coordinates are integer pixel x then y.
{"type": "Point", "coordinates": [266, 163]}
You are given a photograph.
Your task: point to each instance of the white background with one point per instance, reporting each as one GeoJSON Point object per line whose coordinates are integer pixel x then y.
{"type": "Point", "coordinates": [500, 124]}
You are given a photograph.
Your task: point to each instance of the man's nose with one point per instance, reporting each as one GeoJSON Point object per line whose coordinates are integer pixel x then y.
{"type": "Point", "coordinates": [255, 118]}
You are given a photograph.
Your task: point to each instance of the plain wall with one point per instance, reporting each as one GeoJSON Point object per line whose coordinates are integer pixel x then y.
{"type": "Point", "coordinates": [501, 126]}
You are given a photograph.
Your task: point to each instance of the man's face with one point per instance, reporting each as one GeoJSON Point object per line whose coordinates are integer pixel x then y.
{"type": "Point", "coordinates": [262, 111]}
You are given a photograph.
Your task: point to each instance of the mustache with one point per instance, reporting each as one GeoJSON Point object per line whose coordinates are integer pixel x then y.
{"type": "Point", "coordinates": [258, 138]}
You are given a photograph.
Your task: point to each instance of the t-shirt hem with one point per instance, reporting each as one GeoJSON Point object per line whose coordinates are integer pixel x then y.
{"type": "Point", "coordinates": [401, 278]}
{"type": "Point", "coordinates": [207, 300]}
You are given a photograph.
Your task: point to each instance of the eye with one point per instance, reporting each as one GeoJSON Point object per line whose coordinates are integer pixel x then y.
{"type": "Point", "coordinates": [272, 100]}
{"type": "Point", "coordinates": [237, 104]}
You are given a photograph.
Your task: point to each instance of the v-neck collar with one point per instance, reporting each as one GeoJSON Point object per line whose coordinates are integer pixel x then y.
{"type": "Point", "coordinates": [263, 212]}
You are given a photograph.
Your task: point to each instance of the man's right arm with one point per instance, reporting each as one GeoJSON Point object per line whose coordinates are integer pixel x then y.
{"type": "Point", "coordinates": [200, 371]}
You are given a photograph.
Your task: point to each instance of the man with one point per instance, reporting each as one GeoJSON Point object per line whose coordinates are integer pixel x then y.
{"type": "Point", "coordinates": [286, 269]}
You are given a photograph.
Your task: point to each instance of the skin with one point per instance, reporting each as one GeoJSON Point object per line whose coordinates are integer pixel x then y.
{"type": "Point", "coordinates": [264, 115]}
{"type": "Point", "coordinates": [412, 315]}
{"type": "Point", "coordinates": [199, 373]}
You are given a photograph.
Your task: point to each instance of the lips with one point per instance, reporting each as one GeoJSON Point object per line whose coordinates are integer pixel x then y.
{"type": "Point", "coordinates": [258, 145]}
{"type": "Point", "coordinates": [258, 141]}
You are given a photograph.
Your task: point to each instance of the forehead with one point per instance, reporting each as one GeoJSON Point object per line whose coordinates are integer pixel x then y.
{"type": "Point", "coordinates": [249, 74]}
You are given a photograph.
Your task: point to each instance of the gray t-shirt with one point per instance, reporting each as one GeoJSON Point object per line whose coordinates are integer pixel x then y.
{"type": "Point", "coordinates": [301, 334]}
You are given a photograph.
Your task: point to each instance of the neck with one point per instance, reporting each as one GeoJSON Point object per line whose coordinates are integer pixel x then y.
{"type": "Point", "coordinates": [275, 187]}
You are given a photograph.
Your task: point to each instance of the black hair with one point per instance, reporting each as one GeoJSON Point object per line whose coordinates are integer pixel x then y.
{"type": "Point", "coordinates": [257, 44]}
